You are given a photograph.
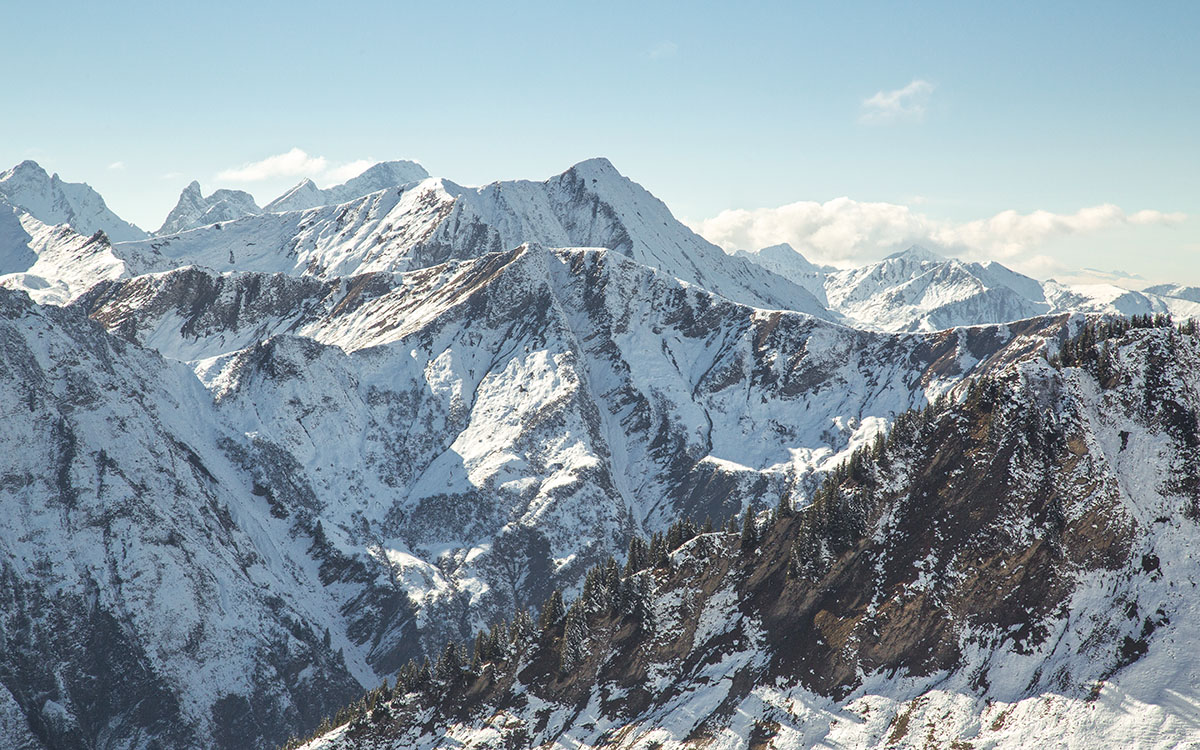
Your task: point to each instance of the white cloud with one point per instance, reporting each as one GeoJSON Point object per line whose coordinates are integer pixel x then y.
{"type": "Point", "coordinates": [845, 231]}
{"type": "Point", "coordinates": [908, 103]}
{"type": "Point", "coordinates": [662, 50]}
{"type": "Point", "coordinates": [117, 165]}
{"type": "Point", "coordinates": [338, 175]}
{"type": "Point", "coordinates": [294, 163]}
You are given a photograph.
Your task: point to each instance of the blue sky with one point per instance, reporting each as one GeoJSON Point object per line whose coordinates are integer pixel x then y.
{"type": "Point", "coordinates": [932, 119]}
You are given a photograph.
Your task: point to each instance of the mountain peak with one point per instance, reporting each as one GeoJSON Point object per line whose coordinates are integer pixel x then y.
{"type": "Point", "coordinates": [52, 200]}
{"type": "Point", "coordinates": [918, 253]}
{"type": "Point", "coordinates": [29, 165]}
{"type": "Point", "coordinates": [595, 167]}
{"type": "Point", "coordinates": [398, 171]}
{"type": "Point", "coordinates": [793, 258]}
{"type": "Point", "coordinates": [194, 210]}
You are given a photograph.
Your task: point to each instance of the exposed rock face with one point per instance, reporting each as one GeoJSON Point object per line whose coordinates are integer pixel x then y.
{"type": "Point", "coordinates": [1005, 565]}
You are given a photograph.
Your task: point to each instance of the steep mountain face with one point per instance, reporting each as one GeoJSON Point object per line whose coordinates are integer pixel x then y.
{"type": "Point", "coordinates": [195, 210]}
{"type": "Point", "coordinates": [52, 201]}
{"type": "Point", "coordinates": [381, 176]}
{"type": "Point", "coordinates": [151, 595]}
{"type": "Point", "coordinates": [393, 461]}
{"type": "Point", "coordinates": [1008, 569]}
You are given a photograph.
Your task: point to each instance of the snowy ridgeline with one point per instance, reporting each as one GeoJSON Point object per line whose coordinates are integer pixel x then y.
{"type": "Point", "coordinates": [292, 449]}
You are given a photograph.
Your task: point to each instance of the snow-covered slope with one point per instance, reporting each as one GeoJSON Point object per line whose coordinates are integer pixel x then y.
{"type": "Point", "coordinates": [392, 460]}
{"type": "Point", "coordinates": [16, 253]}
{"type": "Point", "coordinates": [195, 210]}
{"type": "Point", "coordinates": [378, 177]}
{"type": "Point", "coordinates": [52, 201]}
{"type": "Point", "coordinates": [1012, 569]}
{"type": "Point", "coordinates": [52, 264]}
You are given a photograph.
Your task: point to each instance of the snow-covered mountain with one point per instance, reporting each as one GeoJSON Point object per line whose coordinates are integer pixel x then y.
{"type": "Point", "coordinates": [1178, 291]}
{"type": "Point", "coordinates": [390, 460]}
{"type": "Point", "coordinates": [255, 466]}
{"type": "Point", "coordinates": [1108, 299]}
{"type": "Point", "coordinates": [1013, 568]}
{"type": "Point", "coordinates": [195, 210]}
{"type": "Point", "coordinates": [378, 177]}
{"type": "Point", "coordinates": [395, 460]}
{"type": "Point", "coordinates": [52, 201]}
{"type": "Point", "coordinates": [571, 395]}
{"type": "Point", "coordinates": [918, 290]}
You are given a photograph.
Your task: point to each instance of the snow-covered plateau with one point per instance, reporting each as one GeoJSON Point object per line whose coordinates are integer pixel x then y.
{"type": "Point", "coordinates": [257, 463]}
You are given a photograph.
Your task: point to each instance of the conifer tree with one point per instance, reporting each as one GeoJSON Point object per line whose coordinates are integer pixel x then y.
{"type": "Point", "coordinates": [749, 538]}
{"type": "Point", "coordinates": [552, 611]}
{"type": "Point", "coordinates": [574, 643]}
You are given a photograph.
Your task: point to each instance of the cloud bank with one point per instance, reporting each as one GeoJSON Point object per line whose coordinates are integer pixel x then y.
{"type": "Point", "coordinates": [845, 231]}
{"type": "Point", "coordinates": [904, 104]}
{"type": "Point", "coordinates": [295, 163]}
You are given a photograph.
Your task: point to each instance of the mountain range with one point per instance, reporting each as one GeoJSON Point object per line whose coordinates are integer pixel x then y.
{"type": "Point", "coordinates": [261, 463]}
{"type": "Point", "coordinates": [919, 290]}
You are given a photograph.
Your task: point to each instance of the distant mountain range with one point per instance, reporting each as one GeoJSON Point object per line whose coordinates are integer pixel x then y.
{"type": "Point", "coordinates": [919, 290]}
